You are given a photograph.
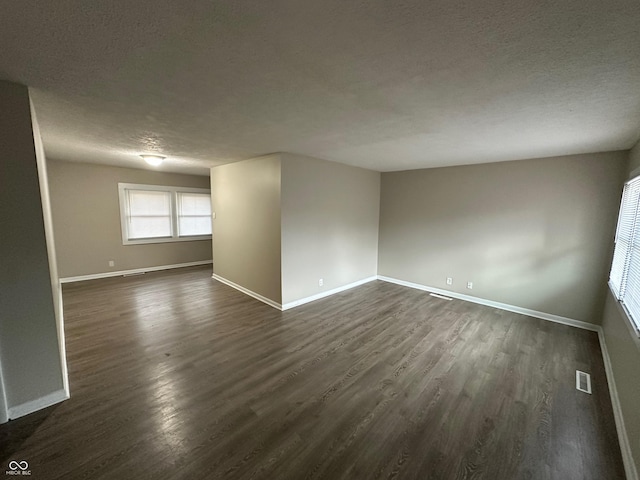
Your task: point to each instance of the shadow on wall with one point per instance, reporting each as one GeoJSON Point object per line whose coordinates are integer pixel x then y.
{"type": "Point", "coordinates": [542, 274]}
{"type": "Point", "coordinates": [530, 233]}
{"type": "Point", "coordinates": [517, 269]}
{"type": "Point", "coordinates": [519, 258]}
{"type": "Point", "coordinates": [550, 262]}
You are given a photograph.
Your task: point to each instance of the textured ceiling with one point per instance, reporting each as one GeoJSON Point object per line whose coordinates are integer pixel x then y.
{"type": "Point", "coordinates": [387, 85]}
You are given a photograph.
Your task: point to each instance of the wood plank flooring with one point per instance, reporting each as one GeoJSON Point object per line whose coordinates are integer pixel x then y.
{"type": "Point", "coordinates": [176, 376]}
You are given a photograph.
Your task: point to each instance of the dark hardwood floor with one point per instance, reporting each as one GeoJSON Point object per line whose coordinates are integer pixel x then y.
{"type": "Point", "coordinates": [176, 376]}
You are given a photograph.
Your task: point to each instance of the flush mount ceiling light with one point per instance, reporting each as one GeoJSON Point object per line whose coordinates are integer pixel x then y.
{"type": "Point", "coordinates": [154, 160]}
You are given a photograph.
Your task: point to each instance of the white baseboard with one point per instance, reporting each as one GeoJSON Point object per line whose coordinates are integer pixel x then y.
{"type": "Point", "coordinates": [295, 303]}
{"type": "Point", "coordinates": [625, 447]}
{"type": "Point", "coordinates": [61, 342]}
{"type": "Point", "coordinates": [4, 412]}
{"type": "Point", "coordinates": [95, 276]}
{"type": "Point", "coordinates": [246, 291]}
{"type": "Point", "coordinates": [328, 293]}
{"type": "Point", "coordinates": [502, 306]}
{"type": "Point", "coordinates": [37, 404]}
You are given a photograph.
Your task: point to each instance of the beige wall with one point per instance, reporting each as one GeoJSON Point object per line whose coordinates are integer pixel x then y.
{"type": "Point", "coordinates": [534, 233]}
{"type": "Point", "coordinates": [86, 220]}
{"type": "Point", "coordinates": [30, 363]}
{"type": "Point", "coordinates": [624, 352]}
{"type": "Point", "coordinates": [329, 225]}
{"type": "Point", "coordinates": [246, 228]}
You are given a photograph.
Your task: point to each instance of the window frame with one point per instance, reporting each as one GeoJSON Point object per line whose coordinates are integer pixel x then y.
{"type": "Point", "coordinates": [173, 191]}
{"type": "Point", "coordinates": [179, 209]}
{"type": "Point", "coordinates": [618, 291]}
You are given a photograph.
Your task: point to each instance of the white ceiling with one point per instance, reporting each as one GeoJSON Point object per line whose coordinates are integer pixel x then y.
{"type": "Point", "coordinates": [387, 85]}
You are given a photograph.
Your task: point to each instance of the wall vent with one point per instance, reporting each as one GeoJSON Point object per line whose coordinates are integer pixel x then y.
{"type": "Point", "coordinates": [583, 382]}
{"type": "Point", "coordinates": [439, 296]}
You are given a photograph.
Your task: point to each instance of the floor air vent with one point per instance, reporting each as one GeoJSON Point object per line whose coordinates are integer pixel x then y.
{"type": "Point", "coordinates": [583, 382]}
{"type": "Point", "coordinates": [439, 296]}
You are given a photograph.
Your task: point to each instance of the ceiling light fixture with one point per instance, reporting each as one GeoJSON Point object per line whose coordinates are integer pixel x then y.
{"type": "Point", "coordinates": [154, 160]}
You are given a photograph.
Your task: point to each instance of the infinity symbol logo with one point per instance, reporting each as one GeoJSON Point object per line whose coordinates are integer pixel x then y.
{"type": "Point", "coordinates": [13, 465]}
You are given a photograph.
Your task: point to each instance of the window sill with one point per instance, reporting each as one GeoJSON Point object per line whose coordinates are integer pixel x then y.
{"type": "Point", "coordinates": [633, 330]}
{"type": "Point", "coordinates": [145, 241]}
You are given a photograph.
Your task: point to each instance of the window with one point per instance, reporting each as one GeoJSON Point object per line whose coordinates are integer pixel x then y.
{"type": "Point", "coordinates": [149, 214]}
{"type": "Point", "coordinates": [194, 213]}
{"type": "Point", "coordinates": [624, 278]}
{"type": "Point", "coordinates": [154, 214]}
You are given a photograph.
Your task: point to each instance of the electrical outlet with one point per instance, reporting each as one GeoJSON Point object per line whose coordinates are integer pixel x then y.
{"type": "Point", "coordinates": [321, 282]}
{"type": "Point", "coordinates": [112, 263]}
{"type": "Point", "coordinates": [449, 280]}
{"type": "Point", "coordinates": [469, 285]}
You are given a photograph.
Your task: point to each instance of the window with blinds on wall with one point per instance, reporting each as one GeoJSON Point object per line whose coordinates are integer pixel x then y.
{"type": "Point", "coordinates": [624, 278]}
{"type": "Point", "coordinates": [154, 213]}
{"type": "Point", "coordinates": [194, 214]}
{"type": "Point", "coordinates": [149, 214]}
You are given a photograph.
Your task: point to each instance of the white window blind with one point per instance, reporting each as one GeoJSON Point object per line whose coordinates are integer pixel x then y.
{"type": "Point", "coordinates": [194, 214]}
{"type": "Point", "coordinates": [625, 268]}
{"type": "Point", "coordinates": [156, 213]}
{"type": "Point", "coordinates": [149, 214]}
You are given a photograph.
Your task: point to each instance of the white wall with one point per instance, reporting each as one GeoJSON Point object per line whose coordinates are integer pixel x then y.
{"type": "Point", "coordinates": [330, 217]}
{"type": "Point", "coordinates": [246, 230]}
{"type": "Point", "coordinates": [284, 221]}
{"type": "Point", "coordinates": [534, 234]}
